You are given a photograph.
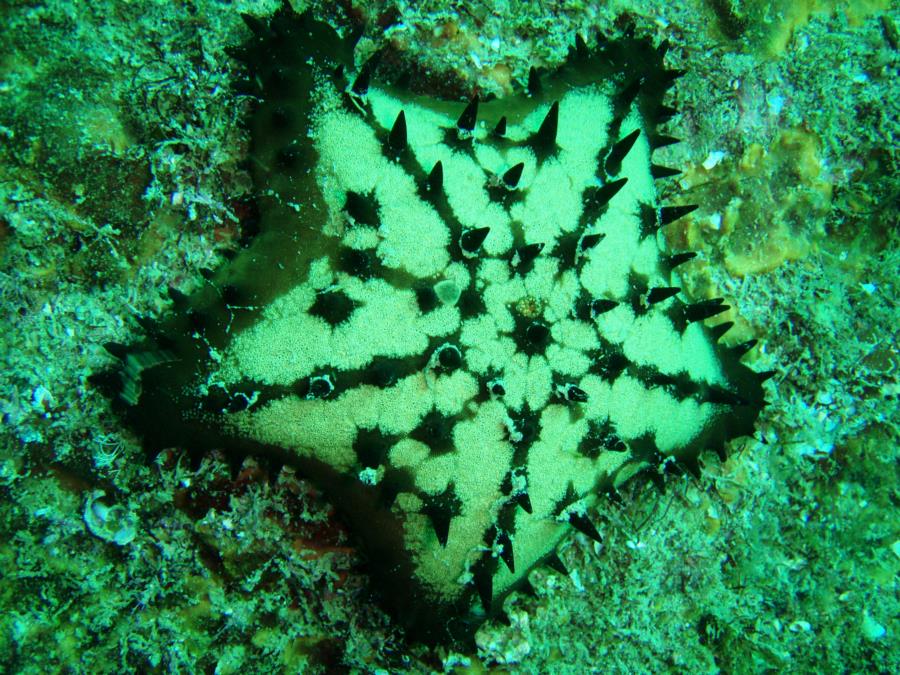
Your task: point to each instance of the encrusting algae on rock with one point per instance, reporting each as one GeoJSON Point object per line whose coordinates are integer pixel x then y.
{"type": "Point", "coordinates": [760, 209]}
{"type": "Point", "coordinates": [457, 319]}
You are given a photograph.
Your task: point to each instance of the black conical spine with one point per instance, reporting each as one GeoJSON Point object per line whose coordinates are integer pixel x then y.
{"type": "Point", "coordinates": [677, 259]}
{"type": "Point", "coordinates": [669, 214]}
{"type": "Point", "coordinates": [662, 293]}
{"type": "Point", "coordinates": [719, 330]}
{"type": "Point", "coordinates": [584, 525]}
{"type": "Point", "coordinates": [602, 306]}
{"type": "Point", "coordinates": [588, 241]}
{"type": "Point", "coordinates": [397, 137]}
{"type": "Point", "coordinates": [529, 252]}
{"type": "Point", "coordinates": [507, 553]}
{"type": "Point", "coordinates": [613, 162]}
{"type": "Point", "coordinates": [471, 240]}
{"type": "Point", "coordinates": [661, 141]}
{"type": "Point", "coordinates": [659, 171]}
{"type": "Point", "coordinates": [705, 309]}
{"type": "Point", "coordinates": [544, 139]}
{"type": "Point", "coordinates": [436, 178]}
{"type": "Point", "coordinates": [513, 175]}
{"type": "Point", "coordinates": [595, 198]}
{"type": "Point", "coordinates": [466, 121]}
{"type": "Point", "coordinates": [534, 82]}
{"type": "Point", "coordinates": [555, 563]}
{"type": "Point", "coordinates": [744, 347]}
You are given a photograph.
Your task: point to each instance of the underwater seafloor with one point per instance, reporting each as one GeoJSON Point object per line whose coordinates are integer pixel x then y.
{"type": "Point", "coordinates": [123, 172]}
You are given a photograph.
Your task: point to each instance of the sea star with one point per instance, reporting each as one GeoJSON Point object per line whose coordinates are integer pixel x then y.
{"type": "Point", "coordinates": [458, 319]}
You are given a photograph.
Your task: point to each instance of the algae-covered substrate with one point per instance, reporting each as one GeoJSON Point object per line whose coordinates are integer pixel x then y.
{"type": "Point", "coordinates": [127, 169]}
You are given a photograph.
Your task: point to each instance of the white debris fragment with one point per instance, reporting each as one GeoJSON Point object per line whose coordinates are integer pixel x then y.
{"type": "Point", "coordinates": [871, 629]}
{"type": "Point", "coordinates": [713, 159]}
{"type": "Point", "coordinates": [111, 523]}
